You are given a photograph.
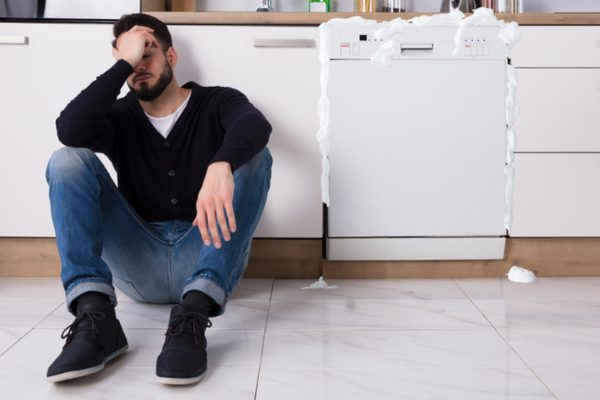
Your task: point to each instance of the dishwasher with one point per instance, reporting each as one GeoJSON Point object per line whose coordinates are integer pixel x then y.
{"type": "Point", "coordinates": [418, 148]}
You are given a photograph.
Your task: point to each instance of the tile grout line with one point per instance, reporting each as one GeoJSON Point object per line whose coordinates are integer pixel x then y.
{"type": "Point", "coordinates": [31, 329]}
{"type": "Point", "coordinates": [262, 347]}
{"type": "Point", "coordinates": [504, 339]}
{"type": "Point", "coordinates": [47, 316]}
{"type": "Point", "coordinates": [17, 341]}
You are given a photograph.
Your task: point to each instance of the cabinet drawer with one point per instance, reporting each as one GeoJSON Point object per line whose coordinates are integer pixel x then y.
{"type": "Point", "coordinates": [556, 195]}
{"type": "Point", "coordinates": [558, 46]}
{"type": "Point", "coordinates": [559, 110]}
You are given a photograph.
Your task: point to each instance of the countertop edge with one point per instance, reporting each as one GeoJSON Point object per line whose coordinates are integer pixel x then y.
{"type": "Point", "coordinates": [314, 19]}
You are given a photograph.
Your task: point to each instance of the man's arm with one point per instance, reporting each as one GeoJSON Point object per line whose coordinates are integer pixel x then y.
{"type": "Point", "coordinates": [247, 133]}
{"type": "Point", "coordinates": [215, 201]}
{"type": "Point", "coordinates": [86, 121]}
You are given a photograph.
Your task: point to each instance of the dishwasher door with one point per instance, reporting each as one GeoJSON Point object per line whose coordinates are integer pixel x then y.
{"type": "Point", "coordinates": [418, 150]}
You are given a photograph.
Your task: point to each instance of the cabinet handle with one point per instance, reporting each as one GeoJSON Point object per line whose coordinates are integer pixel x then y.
{"type": "Point", "coordinates": [14, 40]}
{"type": "Point", "coordinates": [284, 43]}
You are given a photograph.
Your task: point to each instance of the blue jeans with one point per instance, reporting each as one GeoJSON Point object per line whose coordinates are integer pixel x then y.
{"type": "Point", "coordinates": [102, 240]}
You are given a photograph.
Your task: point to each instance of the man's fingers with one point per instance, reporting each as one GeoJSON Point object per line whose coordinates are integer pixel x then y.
{"type": "Point", "coordinates": [230, 217]}
{"type": "Point", "coordinates": [141, 28]}
{"type": "Point", "coordinates": [223, 224]}
{"type": "Point", "coordinates": [200, 222]}
{"type": "Point", "coordinates": [214, 231]}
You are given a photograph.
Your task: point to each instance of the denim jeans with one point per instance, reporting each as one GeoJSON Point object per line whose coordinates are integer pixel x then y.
{"type": "Point", "coordinates": [102, 240]}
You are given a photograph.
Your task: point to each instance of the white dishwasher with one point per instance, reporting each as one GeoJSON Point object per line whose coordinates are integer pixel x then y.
{"type": "Point", "coordinates": [417, 149]}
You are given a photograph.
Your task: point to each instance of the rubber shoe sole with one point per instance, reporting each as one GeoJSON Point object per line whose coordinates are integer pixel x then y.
{"type": "Point", "coordinates": [180, 381]}
{"type": "Point", "coordinates": [65, 376]}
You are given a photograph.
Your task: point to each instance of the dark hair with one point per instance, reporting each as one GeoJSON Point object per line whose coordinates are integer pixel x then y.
{"type": "Point", "coordinates": [161, 32]}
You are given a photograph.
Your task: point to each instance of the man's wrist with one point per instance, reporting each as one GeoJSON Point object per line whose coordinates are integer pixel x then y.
{"type": "Point", "coordinates": [221, 165]}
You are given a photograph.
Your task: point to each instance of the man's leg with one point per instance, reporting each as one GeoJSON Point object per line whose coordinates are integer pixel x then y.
{"type": "Point", "coordinates": [216, 274]}
{"type": "Point", "coordinates": [96, 336]}
{"type": "Point", "coordinates": [100, 237]}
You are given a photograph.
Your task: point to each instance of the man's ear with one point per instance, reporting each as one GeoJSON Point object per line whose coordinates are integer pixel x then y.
{"type": "Point", "coordinates": [172, 57]}
{"type": "Point", "coordinates": [115, 53]}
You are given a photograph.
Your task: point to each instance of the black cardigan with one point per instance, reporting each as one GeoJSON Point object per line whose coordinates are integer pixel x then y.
{"type": "Point", "coordinates": [161, 178]}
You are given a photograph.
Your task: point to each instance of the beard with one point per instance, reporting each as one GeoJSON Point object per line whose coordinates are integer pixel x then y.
{"type": "Point", "coordinates": [149, 93]}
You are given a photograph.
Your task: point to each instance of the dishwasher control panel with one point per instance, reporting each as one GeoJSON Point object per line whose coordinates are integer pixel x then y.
{"type": "Point", "coordinates": [361, 42]}
{"type": "Point", "coordinates": [476, 46]}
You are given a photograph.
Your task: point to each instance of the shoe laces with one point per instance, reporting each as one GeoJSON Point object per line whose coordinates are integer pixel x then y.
{"type": "Point", "coordinates": [189, 322]}
{"type": "Point", "coordinates": [77, 326]}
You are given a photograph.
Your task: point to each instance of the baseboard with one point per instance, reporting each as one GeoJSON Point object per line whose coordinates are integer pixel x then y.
{"type": "Point", "coordinates": [544, 256]}
{"type": "Point", "coordinates": [302, 258]}
{"type": "Point", "coordinates": [270, 258]}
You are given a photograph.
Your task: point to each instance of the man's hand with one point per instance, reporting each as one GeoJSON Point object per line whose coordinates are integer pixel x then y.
{"type": "Point", "coordinates": [214, 202]}
{"type": "Point", "coordinates": [133, 44]}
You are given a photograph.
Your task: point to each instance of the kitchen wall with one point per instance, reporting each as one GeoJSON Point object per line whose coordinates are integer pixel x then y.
{"type": "Point", "coordinates": [302, 5]}
{"type": "Point", "coordinates": [552, 6]}
{"type": "Point", "coordinates": [530, 6]}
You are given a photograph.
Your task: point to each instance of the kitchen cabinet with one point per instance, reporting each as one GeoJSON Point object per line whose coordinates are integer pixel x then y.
{"type": "Point", "coordinates": [557, 195]}
{"type": "Point", "coordinates": [557, 47]}
{"type": "Point", "coordinates": [559, 110]}
{"type": "Point", "coordinates": [557, 160]}
{"type": "Point", "coordinates": [40, 78]}
{"type": "Point", "coordinates": [283, 82]}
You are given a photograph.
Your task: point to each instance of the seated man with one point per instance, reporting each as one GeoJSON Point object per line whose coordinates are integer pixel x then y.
{"type": "Point", "coordinates": [179, 152]}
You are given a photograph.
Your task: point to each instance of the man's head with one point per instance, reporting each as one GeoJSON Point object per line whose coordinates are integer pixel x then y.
{"type": "Point", "coordinates": [153, 74]}
{"type": "Point", "coordinates": [161, 32]}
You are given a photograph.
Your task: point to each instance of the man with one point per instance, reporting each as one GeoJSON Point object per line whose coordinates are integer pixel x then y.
{"type": "Point", "coordinates": [179, 153]}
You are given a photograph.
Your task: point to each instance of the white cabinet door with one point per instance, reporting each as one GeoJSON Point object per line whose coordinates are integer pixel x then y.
{"type": "Point", "coordinates": [560, 110]}
{"type": "Point", "coordinates": [37, 81]}
{"type": "Point", "coordinates": [558, 46]}
{"type": "Point", "coordinates": [556, 195]}
{"type": "Point", "coordinates": [283, 83]}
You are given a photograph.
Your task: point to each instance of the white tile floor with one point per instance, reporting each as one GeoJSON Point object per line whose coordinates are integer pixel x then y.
{"type": "Point", "coordinates": [368, 339]}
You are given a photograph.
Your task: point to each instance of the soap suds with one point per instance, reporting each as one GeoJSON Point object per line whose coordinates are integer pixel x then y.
{"type": "Point", "coordinates": [383, 56]}
{"type": "Point", "coordinates": [521, 275]}
{"type": "Point", "coordinates": [320, 284]}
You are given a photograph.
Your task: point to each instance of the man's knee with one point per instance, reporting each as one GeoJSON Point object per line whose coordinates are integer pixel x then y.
{"type": "Point", "coordinates": [67, 162]}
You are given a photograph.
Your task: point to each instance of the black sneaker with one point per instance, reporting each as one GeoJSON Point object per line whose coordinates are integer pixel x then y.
{"type": "Point", "coordinates": [183, 357]}
{"type": "Point", "coordinates": [93, 339]}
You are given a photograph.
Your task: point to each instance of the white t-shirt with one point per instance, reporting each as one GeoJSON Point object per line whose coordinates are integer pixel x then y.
{"type": "Point", "coordinates": [165, 124]}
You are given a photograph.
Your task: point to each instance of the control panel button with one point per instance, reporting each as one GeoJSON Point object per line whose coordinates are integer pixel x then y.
{"type": "Point", "coordinates": [345, 50]}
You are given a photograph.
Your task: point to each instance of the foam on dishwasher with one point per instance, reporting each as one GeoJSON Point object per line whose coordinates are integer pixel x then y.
{"type": "Point", "coordinates": [509, 34]}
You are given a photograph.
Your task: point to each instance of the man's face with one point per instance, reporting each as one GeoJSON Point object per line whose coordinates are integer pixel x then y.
{"type": "Point", "coordinates": [151, 76]}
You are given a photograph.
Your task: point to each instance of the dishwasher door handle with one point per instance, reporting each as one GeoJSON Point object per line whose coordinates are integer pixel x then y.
{"type": "Point", "coordinates": [303, 43]}
{"type": "Point", "coordinates": [416, 46]}
{"type": "Point", "coordinates": [14, 40]}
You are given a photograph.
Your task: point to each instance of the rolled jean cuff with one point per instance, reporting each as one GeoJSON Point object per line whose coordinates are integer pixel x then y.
{"type": "Point", "coordinates": [210, 288]}
{"type": "Point", "coordinates": [84, 286]}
